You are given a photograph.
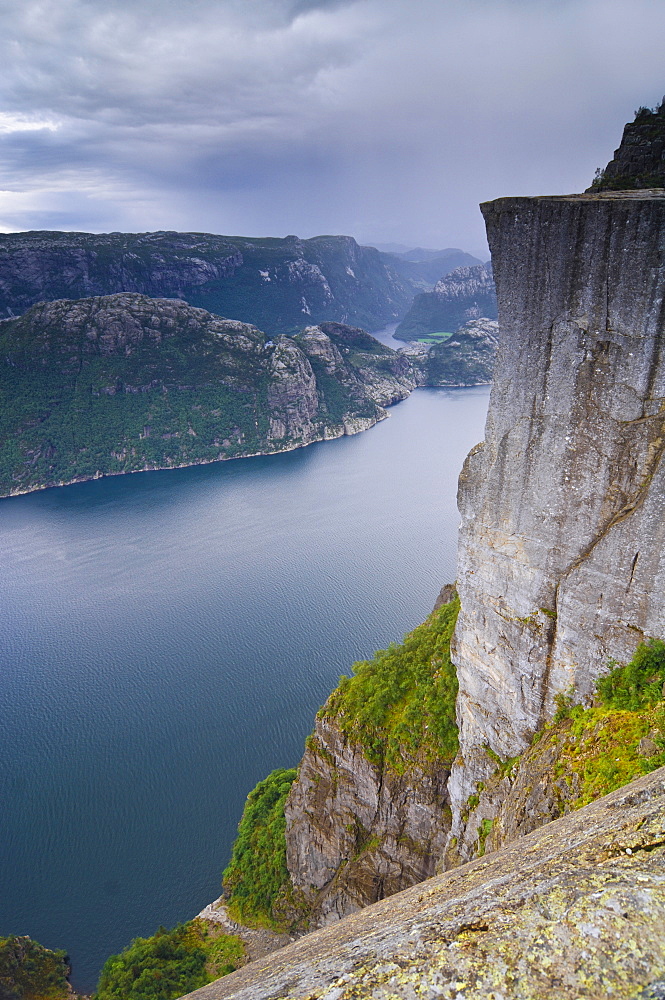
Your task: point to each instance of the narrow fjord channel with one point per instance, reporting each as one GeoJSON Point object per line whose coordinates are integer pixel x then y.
{"type": "Point", "coordinates": [166, 639]}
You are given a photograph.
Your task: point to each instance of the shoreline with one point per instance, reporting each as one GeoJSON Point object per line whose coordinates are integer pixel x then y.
{"type": "Point", "coordinates": [345, 432]}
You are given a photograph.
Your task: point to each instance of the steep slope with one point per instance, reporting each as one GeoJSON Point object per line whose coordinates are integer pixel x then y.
{"type": "Point", "coordinates": [28, 971]}
{"type": "Point", "coordinates": [368, 813]}
{"type": "Point", "coordinates": [123, 382]}
{"type": "Point", "coordinates": [278, 285]}
{"type": "Point", "coordinates": [574, 910]}
{"type": "Point", "coordinates": [466, 293]}
{"type": "Point", "coordinates": [561, 564]}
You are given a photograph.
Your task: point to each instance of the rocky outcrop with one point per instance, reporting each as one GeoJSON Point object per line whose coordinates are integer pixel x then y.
{"type": "Point", "coordinates": [574, 910]}
{"type": "Point", "coordinates": [561, 558]}
{"type": "Point", "coordinates": [639, 162]}
{"type": "Point", "coordinates": [465, 358]}
{"type": "Point", "coordinates": [387, 376]}
{"type": "Point", "coordinates": [275, 284]}
{"type": "Point", "coordinates": [358, 831]}
{"type": "Point", "coordinates": [120, 383]}
{"type": "Point", "coordinates": [464, 294]}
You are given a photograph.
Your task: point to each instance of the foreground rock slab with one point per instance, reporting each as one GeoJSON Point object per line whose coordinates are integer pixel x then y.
{"type": "Point", "coordinates": [576, 909]}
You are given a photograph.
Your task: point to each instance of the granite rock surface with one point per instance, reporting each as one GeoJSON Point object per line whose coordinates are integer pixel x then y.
{"type": "Point", "coordinates": [357, 831]}
{"type": "Point", "coordinates": [574, 910]}
{"type": "Point", "coordinates": [561, 564]}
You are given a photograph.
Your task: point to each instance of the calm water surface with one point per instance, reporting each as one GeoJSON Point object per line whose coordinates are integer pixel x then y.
{"type": "Point", "coordinates": [165, 641]}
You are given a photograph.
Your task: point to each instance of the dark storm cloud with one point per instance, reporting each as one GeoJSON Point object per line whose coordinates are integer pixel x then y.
{"type": "Point", "coordinates": [387, 119]}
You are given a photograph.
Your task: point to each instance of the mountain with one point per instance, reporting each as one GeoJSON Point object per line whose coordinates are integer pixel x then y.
{"type": "Point", "coordinates": [123, 382]}
{"type": "Point", "coordinates": [423, 268]}
{"type": "Point", "coordinates": [465, 358]}
{"type": "Point", "coordinates": [279, 285]}
{"type": "Point", "coordinates": [463, 294]}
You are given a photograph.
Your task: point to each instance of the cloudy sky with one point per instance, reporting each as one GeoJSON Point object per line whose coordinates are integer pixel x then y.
{"type": "Point", "coordinates": [388, 120]}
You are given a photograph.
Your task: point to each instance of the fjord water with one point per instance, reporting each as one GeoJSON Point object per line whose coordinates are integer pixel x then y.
{"type": "Point", "coordinates": [166, 639]}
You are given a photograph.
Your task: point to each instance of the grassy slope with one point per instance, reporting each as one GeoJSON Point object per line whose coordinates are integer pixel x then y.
{"type": "Point", "coordinates": [403, 699]}
{"type": "Point", "coordinates": [620, 738]}
{"type": "Point", "coordinates": [256, 879]}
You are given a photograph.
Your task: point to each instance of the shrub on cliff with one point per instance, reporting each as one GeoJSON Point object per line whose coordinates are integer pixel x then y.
{"type": "Point", "coordinates": [639, 684]}
{"type": "Point", "coordinates": [169, 964]}
{"type": "Point", "coordinates": [402, 701]}
{"type": "Point", "coordinates": [600, 749]}
{"type": "Point", "coordinates": [256, 876]}
{"type": "Point", "coordinates": [28, 971]}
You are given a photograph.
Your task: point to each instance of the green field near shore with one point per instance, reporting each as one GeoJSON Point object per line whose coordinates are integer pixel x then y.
{"type": "Point", "coordinates": [434, 338]}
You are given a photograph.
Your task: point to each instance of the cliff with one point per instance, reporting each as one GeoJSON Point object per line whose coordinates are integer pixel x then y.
{"type": "Point", "coordinates": [561, 691]}
{"type": "Point", "coordinates": [561, 553]}
{"type": "Point", "coordinates": [464, 294]}
{"type": "Point", "coordinates": [119, 383]}
{"type": "Point", "coordinates": [368, 814]}
{"type": "Point", "coordinates": [278, 285]}
{"type": "Point", "coordinates": [560, 571]}
{"type": "Point", "coordinates": [574, 910]}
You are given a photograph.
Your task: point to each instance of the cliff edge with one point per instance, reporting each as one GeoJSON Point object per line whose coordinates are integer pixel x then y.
{"type": "Point", "coordinates": [561, 565]}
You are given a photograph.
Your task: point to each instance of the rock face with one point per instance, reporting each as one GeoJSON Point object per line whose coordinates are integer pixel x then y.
{"type": "Point", "coordinates": [123, 382]}
{"type": "Point", "coordinates": [278, 285]}
{"type": "Point", "coordinates": [464, 294]}
{"type": "Point", "coordinates": [357, 831]}
{"type": "Point", "coordinates": [639, 162]}
{"type": "Point", "coordinates": [574, 910]}
{"type": "Point", "coordinates": [561, 555]}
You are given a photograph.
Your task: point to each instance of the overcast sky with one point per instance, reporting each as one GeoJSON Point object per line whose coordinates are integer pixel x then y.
{"type": "Point", "coordinates": [388, 120]}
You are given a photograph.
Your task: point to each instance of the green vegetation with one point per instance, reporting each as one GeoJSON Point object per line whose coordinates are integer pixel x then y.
{"type": "Point", "coordinates": [170, 963]}
{"type": "Point", "coordinates": [28, 971]}
{"type": "Point", "coordinates": [256, 880]}
{"type": "Point", "coordinates": [398, 705]}
{"type": "Point", "coordinates": [104, 386]}
{"type": "Point", "coordinates": [639, 684]}
{"type": "Point", "coordinates": [434, 338]}
{"type": "Point", "coordinates": [484, 831]}
{"type": "Point", "coordinates": [402, 702]}
{"type": "Point", "coordinates": [600, 749]}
